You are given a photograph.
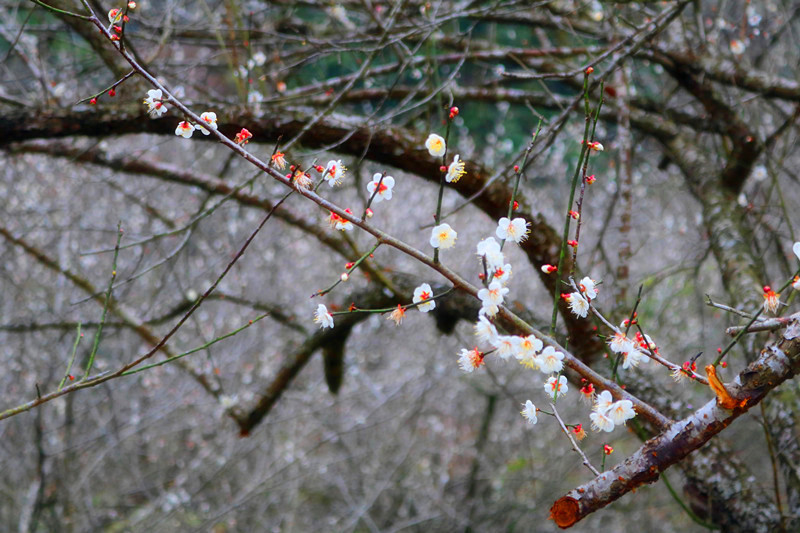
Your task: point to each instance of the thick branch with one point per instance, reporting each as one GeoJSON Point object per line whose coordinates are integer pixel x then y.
{"type": "Point", "coordinates": [777, 363]}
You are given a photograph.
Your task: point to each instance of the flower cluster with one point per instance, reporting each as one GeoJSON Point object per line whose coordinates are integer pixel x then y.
{"type": "Point", "coordinates": [607, 414]}
{"type": "Point", "coordinates": [631, 350]}
{"type": "Point", "coordinates": [579, 300]}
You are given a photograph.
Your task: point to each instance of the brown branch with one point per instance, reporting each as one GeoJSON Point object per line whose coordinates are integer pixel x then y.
{"type": "Point", "coordinates": [777, 363]}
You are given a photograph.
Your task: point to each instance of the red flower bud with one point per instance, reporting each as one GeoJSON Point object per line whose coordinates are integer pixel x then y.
{"type": "Point", "coordinates": [93, 101]}
{"type": "Point", "coordinates": [589, 70]}
{"type": "Point", "coordinates": [112, 92]}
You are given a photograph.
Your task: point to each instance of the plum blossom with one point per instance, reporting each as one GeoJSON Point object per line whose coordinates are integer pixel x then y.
{"type": "Point", "coordinates": [619, 343]}
{"type": "Point", "coordinates": [485, 330]}
{"type": "Point", "coordinates": [443, 236]}
{"type": "Point", "coordinates": [469, 360]}
{"type": "Point", "coordinates": [455, 170]}
{"type": "Point", "coordinates": [493, 295]}
{"type": "Point", "coordinates": [302, 180]}
{"type": "Point", "coordinates": [528, 347]}
{"type": "Point", "coordinates": [771, 300]}
{"type": "Point", "coordinates": [341, 223]}
{"type": "Point", "coordinates": [115, 15]}
{"type": "Point", "coordinates": [601, 422]}
{"type": "Point", "coordinates": [385, 188]}
{"type": "Point", "coordinates": [490, 249]}
{"type": "Point", "coordinates": [506, 345]}
{"type": "Point", "coordinates": [621, 411]}
{"type": "Point", "coordinates": [323, 317]}
{"type": "Point", "coordinates": [209, 119]}
{"type": "Point", "coordinates": [603, 402]}
{"type": "Point", "coordinates": [578, 304]}
{"type": "Point", "coordinates": [512, 230]}
{"type": "Point", "coordinates": [550, 360]}
{"type": "Point", "coordinates": [334, 172]}
{"type": "Point", "coordinates": [184, 130]}
{"type": "Point", "coordinates": [423, 293]}
{"type": "Point", "coordinates": [529, 412]}
{"type": "Point", "coordinates": [435, 145]}
{"type": "Point", "coordinates": [632, 358]}
{"type": "Point", "coordinates": [587, 287]}
{"type": "Point", "coordinates": [155, 106]}
{"type": "Point", "coordinates": [502, 273]}
{"type": "Point", "coordinates": [488, 310]}
{"type": "Point", "coordinates": [243, 137]}
{"type": "Point", "coordinates": [397, 315]}
{"type": "Point", "coordinates": [279, 158]}
{"type": "Point", "coordinates": [556, 387]}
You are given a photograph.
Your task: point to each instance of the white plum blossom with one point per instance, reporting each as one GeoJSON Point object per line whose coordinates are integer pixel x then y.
{"type": "Point", "coordinates": [512, 230]}
{"type": "Point", "coordinates": [259, 58]}
{"type": "Point", "coordinates": [529, 412]}
{"type": "Point", "coordinates": [334, 172]}
{"type": "Point", "coordinates": [738, 47]}
{"type": "Point", "coordinates": [619, 343]}
{"type": "Point", "coordinates": [443, 236]}
{"type": "Point", "coordinates": [528, 347]}
{"type": "Point", "coordinates": [469, 360]}
{"type": "Point", "coordinates": [493, 295]}
{"type": "Point", "coordinates": [323, 317]}
{"type": "Point", "coordinates": [423, 293]}
{"type": "Point", "coordinates": [490, 249]}
{"type": "Point", "coordinates": [550, 360]}
{"type": "Point", "coordinates": [760, 173]}
{"type": "Point", "coordinates": [578, 304]}
{"type": "Point", "coordinates": [385, 189]}
{"type": "Point", "coordinates": [601, 422]}
{"type": "Point", "coordinates": [455, 170]}
{"type": "Point", "coordinates": [506, 345]}
{"type": "Point", "coordinates": [587, 286]}
{"type": "Point", "coordinates": [556, 387]}
{"type": "Point", "coordinates": [603, 402]}
{"type": "Point", "coordinates": [435, 145]}
{"type": "Point", "coordinates": [155, 106]}
{"type": "Point", "coordinates": [485, 330]}
{"type": "Point", "coordinates": [796, 249]}
{"type": "Point", "coordinates": [621, 411]}
{"type": "Point", "coordinates": [489, 310]}
{"type": "Point", "coordinates": [184, 130]}
{"type": "Point", "coordinates": [209, 119]}
{"type": "Point", "coordinates": [502, 273]}
{"type": "Point", "coordinates": [632, 358]}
